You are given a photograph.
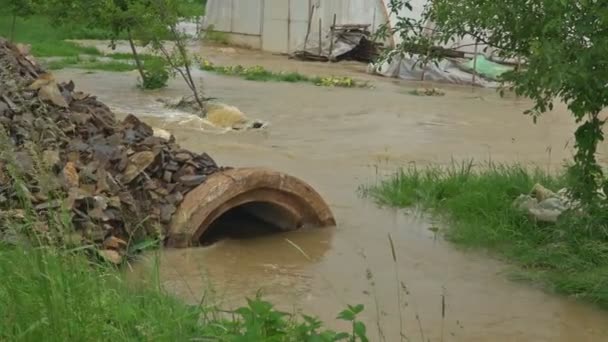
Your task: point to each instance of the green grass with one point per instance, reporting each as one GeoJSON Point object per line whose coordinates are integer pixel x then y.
{"type": "Point", "coordinates": [259, 73]}
{"type": "Point", "coordinates": [52, 288]}
{"type": "Point", "coordinates": [90, 64]}
{"type": "Point", "coordinates": [49, 294]}
{"type": "Point", "coordinates": [570, 257]}
{"type": "Point", "coordinates": [194, 8]}
{"type": "Point", "coordinates": [120, 62]}
{"type": "Point", "coordinates": [48, 39]}
{"type": "Point", "coordinates": [45, 38]}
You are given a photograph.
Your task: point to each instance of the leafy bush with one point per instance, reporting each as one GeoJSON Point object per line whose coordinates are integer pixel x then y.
{"type": "Point", "coordinates": [156, 75]}
{"type": "Point", "coordinates": [260, 321]}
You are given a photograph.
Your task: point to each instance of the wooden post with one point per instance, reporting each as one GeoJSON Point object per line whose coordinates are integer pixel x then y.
{"type": "Point", "coordinates": [374, 24]}
{"type": "Point", "coordinates": [475, 63]}
{"type": "Point", "coordinates": [331, 39]}
{"type": "Point", "coordinates": [320, 36]}
{"type": "Point", "coordinates": [312, 11]}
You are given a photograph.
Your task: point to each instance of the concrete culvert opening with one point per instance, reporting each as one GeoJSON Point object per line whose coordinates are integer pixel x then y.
{"type": "Point", "coordinates": [249, 221]}
{"type": "Point", "coordinates": [246, 203]}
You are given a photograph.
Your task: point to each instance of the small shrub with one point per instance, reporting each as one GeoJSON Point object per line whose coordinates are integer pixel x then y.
{"type": "Point", "coordinates": [156, 75]}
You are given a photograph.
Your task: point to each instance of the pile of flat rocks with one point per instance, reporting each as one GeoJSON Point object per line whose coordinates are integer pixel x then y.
{"type": "Point", "coordinates": [65, 150]}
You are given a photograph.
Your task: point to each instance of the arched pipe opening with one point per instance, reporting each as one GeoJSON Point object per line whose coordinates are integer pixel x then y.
{"type": "Point", "coordinates": [250, 220]}
{"type": "Point", "coordinates": [244, 203]}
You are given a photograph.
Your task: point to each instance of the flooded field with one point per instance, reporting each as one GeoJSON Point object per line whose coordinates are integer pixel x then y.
{"type": "Point", "coordinates": [338, 139]}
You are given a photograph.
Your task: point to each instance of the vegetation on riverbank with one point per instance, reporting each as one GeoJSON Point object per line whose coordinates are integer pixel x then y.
{"type": "Point", "coordinates": [50, 294]}
{"type": "Point", "coordinates": [56, 289]}
{"type": "Point", "coordinates": [112, 62]}
{"type": "Point", "coordinates": [259, 73]}
{"type": "Point", "coordinates": [49, 40]}
{"type": "Point", "coordinates": [89, 64]}
{"type": "Point", "coordinates": [47, 26]}
{"type": "Point", "coordinates": [570, 257]}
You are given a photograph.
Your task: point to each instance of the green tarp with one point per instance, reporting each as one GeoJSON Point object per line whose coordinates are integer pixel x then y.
{"type": "Point", "coordinates": [486, 68]}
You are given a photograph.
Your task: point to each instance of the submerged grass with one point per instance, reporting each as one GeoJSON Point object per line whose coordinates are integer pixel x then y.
{"type": "Point", "coordinates": [259, 73]}
{"type": "Point", "coordinates": [116, 62]}
{"type": "Point", "coordinates": [90, 64]}
{"type": "Point", "coordinates": [570, 257]}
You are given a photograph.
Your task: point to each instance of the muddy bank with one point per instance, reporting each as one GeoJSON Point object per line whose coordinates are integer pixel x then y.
{"type": "Point", "coordinates": [339, 139]}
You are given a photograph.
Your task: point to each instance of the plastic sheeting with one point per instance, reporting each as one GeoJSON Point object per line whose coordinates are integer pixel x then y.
{"type": "Point", "coordinates": [486, 67]}
{"type": "Point", "coordinates": [446, 71]}
{"type": "Point", "coordinates": [343, 43]}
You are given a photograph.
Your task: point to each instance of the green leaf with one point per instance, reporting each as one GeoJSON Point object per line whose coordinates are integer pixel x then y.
{"type": "Point", "coordinates": [347, 315]}
{"type": "Point", "coordinates": [357, 309]}
{"type": "Point", "coordinates": [360, 331]}
{"type": "Point", "coordinates": [341, 336]}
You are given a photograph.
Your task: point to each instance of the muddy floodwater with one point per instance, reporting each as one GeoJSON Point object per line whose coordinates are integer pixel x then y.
{"type": "Point", "coordinates": [337, 139]}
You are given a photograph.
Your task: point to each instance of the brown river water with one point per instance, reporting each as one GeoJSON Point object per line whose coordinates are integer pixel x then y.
{"type": "Point", "coordinates": [338, 139]}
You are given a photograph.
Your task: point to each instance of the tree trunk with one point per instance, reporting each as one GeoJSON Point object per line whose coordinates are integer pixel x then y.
{"type": "Point", "coordinates": [140, 67]}
{"type": "Point", "coordinates": [188, 75]}
{"type": "Point", "coordinates": [13, 25]}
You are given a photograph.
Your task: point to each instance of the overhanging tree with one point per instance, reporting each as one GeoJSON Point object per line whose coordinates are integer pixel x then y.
{"type": "Point", "coordinates": [160, 21]}
{"type": "Point", "coordinates": [120, 17]}
{"type": "Point", "coordinates": [152, 23]}
{"type": "Point", "coordinates": [18, 8]}
{"type": "Point", "coordinates": [564, 47]}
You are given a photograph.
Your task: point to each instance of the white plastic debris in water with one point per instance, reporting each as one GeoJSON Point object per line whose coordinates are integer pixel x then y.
{"type": "Point", "coordinates": [545, 205]}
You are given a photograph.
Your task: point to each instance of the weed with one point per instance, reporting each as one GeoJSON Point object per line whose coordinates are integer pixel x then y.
{"type": "Point", "coordinates": [217, 37]}
{"type": "Point", "coordinates": [119, 62]}
{"type": "Point", "coordinates": [476, 202]}
{"type": "Point", "coordinates": [59, 295]}
{"type": "Point", "coordinates": [89, 64]}
{"type": "Point", "coordinates": [259, 73]}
